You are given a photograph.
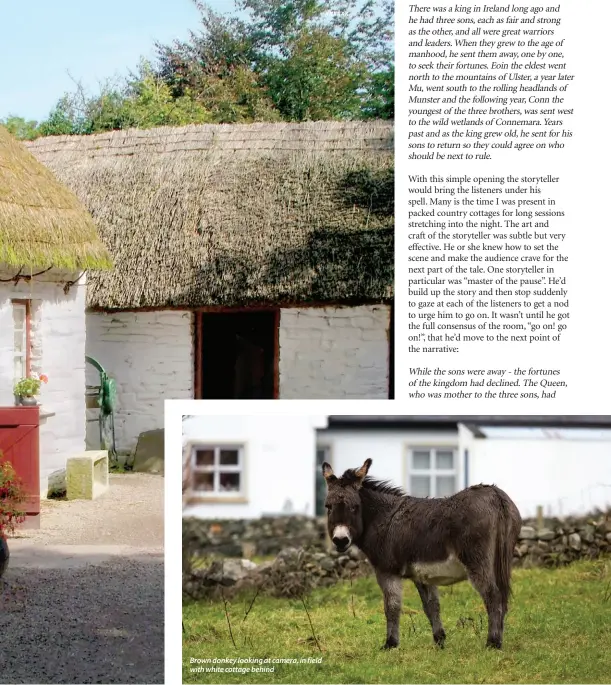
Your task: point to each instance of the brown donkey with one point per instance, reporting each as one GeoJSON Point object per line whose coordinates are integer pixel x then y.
{"type": "Point", "coordinates": [439, 541]}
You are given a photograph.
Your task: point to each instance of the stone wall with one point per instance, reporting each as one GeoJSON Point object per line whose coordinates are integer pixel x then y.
{"type": "Point", "coordinates": [557, 543]}
{"type": "Point", "coordinates": [150, 356]}
{"type": "Point", "coordinates": [560, 541]}
{"type": "Point", "coordinates": [334, 352]}
{"type": "Point", "coordinates": [265, 536]}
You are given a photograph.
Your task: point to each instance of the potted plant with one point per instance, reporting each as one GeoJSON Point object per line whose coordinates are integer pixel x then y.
{"type": "Point", "coordinates": [26, 389]}
{"type": "Point", "coordinates": [12, 496]}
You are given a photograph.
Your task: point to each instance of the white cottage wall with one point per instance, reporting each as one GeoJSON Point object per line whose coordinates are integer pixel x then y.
{"type": "Point", "coordinates": [334, 352]}
{"type": "Point", "coordinates": [564, 476]}
{"type": "Point", "coordinates": [58, 349]}
{"type": "Point", "coordinates": [279, 462]}
{"type": "Point", "coordinates": [150, 356]}
{"type": "Point", "coordinates": [387, 448]}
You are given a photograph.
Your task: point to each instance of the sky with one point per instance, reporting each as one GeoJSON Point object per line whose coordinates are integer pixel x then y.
{"type": "Point", "coordinates": [43, 43]}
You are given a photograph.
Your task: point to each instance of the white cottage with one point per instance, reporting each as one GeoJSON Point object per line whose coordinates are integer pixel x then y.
{"type": "Point", "coordinates": [251, 261]}
{"type": "Point", "coordinates": [249, 466]}
{"type": "Point", "coordinates": [47, 243]}
{"type": "Point", "coordinates": [562, 463]}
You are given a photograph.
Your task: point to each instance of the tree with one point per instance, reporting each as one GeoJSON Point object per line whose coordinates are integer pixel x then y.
{"type": "Point", "coordinates": [20, 127]}
{"type": "Point", "coordinates": [292, 60]}
{"type": "Point", "coordinates": [310, 59]}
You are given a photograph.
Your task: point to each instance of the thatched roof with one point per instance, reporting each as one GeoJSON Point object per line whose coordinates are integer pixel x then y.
{"type": "Point", "coordinates": [228, 214]}
{"type": "Point", "coordinates": [42, 224]}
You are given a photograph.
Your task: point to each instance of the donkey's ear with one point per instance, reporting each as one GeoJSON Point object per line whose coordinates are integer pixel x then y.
{"type": "Point", "coordinates": [362, 472]}
{"type": "Point", "coordinates": [327, 472]}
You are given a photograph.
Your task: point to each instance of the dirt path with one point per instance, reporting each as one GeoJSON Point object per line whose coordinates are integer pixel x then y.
{"type": "Point", "coordinates": [82, 599]}
{"type": "Point", "coordinates": [130, 513]}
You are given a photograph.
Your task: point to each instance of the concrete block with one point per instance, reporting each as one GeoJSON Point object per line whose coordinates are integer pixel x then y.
{"type": "Point", "coordinates": [87, 475]}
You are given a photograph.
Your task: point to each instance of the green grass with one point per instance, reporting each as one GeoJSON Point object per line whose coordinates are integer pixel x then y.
{"type": "Point", "coordinates": [558, 630]}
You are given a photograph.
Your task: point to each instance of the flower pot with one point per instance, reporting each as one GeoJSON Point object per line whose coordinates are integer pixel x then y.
{"type": "Point", "coordinates": [4, 554]}
{"type": "Point", "coordinates": [28, 401]}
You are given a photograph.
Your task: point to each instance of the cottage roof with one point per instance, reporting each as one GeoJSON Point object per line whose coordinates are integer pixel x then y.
{"type": "Point", "coordinates": [42, 224]}
{"type": "Point", "coordinates": [236, 214]}
{"type": "Point", "coordinates": [450, 422]}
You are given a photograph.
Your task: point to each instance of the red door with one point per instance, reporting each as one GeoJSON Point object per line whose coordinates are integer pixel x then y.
{"type": "Point", "coordinates": [19, 445]}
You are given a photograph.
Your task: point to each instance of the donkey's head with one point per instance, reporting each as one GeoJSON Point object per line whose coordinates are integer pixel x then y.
{"type": "Point", "coordinates": [343, 503]}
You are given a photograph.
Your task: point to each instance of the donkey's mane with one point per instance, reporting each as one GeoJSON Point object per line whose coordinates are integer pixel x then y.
{"type": "Point", "coordinates": [384, 487]}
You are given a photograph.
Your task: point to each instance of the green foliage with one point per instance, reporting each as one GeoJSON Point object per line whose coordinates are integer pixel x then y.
{"type": "Point", "coordinates": [308, 59]}
{"type": "Point", "coordinates": [12, 496]}
{"type": "Point", "coordinates": [557, 631]}
{"type": "Point", "coordinates": [291, 60]}
{"type": "Point", "coordinates": [30, 386]}
{"type": "Point", "coordinates": [316, 79]}
{"type": "Point", "coordinates": [20, 128]}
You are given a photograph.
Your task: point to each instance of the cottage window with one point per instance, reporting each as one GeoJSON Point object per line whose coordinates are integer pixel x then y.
{"type": "Point", "coordinates": [217, 470]}
{"type": "Point", "coordinates": [433, 471]}
{"type": "Point", "coordinates": [22, 343]}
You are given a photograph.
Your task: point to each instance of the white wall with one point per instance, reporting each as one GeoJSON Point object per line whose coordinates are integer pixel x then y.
{"type": "Point", "coordinates": [387, 448]}
{"type": "Point", "coordinates": [334, 352]}
{"type": "Point", "coordinates": [58, 340]}
{"type": "Point", "coordinates": [279, 462]}
{"type": "Point", "coordinates": [150, 356]}
{"type": "Point", "coordinates": [564, 476]}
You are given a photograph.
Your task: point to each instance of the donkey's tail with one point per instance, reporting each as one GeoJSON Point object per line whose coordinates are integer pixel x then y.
{"type": "Point", "coordinates": [506, 539]}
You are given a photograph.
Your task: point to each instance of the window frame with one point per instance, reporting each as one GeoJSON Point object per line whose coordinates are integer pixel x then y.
{"type": "Point", "coordinates": [216, 495]}
{"type": "Point", "coordinates": [26, 356]}
{"type": "Point", "coordinates": [432, 472]}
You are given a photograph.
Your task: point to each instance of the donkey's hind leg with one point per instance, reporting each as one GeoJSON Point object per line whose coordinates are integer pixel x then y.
{"type": "Point", "coordinates": [430, 602]}
{"type": "Point", "coordinates": [392, 587]}
{"type": "Point", "coordinates": [486, 585]}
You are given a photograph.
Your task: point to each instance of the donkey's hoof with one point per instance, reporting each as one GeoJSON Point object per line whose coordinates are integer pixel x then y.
{"type": "Point", "coordinates": [391, 643]}
{"type": "Point", "coordinates": [494, 643]}
{"type": "Point", "coordinates": [440, 639]}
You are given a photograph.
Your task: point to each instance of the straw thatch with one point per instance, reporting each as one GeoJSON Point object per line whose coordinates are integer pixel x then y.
{"type": "Point", "coordinates": [228, 215]}
{"type": "Point", "coordinates": [42, 224]}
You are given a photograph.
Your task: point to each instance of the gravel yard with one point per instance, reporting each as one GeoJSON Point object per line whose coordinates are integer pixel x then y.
{"type": "Point", "coordinates": [82, 599]}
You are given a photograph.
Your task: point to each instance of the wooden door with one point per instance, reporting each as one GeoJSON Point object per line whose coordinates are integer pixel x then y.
{"type": "Point", "coordinates": [19, 444]}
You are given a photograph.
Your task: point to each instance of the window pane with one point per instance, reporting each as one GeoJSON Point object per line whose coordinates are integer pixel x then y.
{"type": "Point", "coordinates": [19, 368]}
{"type": "Point", "coordinates": [446, 485]}
{"type": "Point", "coordinates": [229, 457]}
{"type": "Point", "coordinates": [445, 459]}
{"type": "Point", "coordinates": [420, 486]}
{"type": "Point", "coordinates": [321, 455]}
{"type": "Point", "coordinates": [204, 457]}
{"type": "Point", "coordinates": [421, 459]}
{"type": "Point", "coordinates": [203, 482]}
{"type": "Point", "coordinates": [19, 342]}
{"type": "Point", "coordinates": [230, 482]}
{"type": "Point", "coordinates": [19, 316]}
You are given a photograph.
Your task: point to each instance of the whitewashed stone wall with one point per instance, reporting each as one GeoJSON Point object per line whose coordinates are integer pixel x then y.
{"type": "Point", "coordinates": [334, 352]}
{"type": "Point", "coordinates": [58, 349]}
{"type": "Point", "coordinates": [150, 356]}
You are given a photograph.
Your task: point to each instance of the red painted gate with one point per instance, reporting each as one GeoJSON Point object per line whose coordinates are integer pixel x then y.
{"type": "Point", "coordinates": [19, 445]}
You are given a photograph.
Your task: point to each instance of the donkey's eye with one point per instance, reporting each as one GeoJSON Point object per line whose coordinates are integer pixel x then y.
{"type": "Point", "coordinates": [328, 507]}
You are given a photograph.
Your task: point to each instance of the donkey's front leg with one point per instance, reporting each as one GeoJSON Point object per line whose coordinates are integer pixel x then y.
{"type": "Point", "coordinates": [392, 587]}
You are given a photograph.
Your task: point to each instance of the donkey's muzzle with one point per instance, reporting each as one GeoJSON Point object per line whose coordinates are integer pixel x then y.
{"type": "Point", "coordinates": [341, 538]}
{"type": "Point", "coordinates": [341, 544]}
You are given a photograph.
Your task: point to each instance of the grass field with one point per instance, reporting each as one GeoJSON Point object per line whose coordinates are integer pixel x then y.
{"type": "Point", "coordinates": [558, 630]}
